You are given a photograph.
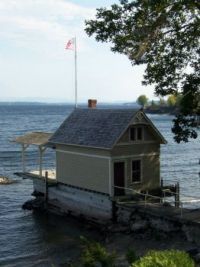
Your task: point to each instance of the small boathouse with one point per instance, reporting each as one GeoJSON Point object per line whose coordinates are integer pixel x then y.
{"type": "Point", "coordinates": [100, 155]}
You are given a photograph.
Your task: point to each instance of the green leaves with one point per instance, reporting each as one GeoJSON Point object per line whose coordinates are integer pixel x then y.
{"type": "Point", "coordinates": [165, 258]}
{"type": "Point", "coordinates": [164, 35]}
{"type": "Point", "coordinates": [142, 100]}
{"type": "Point", "coordinates": [94, 254]}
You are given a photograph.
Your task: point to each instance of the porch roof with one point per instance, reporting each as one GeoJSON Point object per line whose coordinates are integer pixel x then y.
{"type": "Point", "coordinates": [33, 138]}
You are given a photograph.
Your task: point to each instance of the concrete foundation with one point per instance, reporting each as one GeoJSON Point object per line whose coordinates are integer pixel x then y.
{"type": "Point", "coordinates": [77, 201]}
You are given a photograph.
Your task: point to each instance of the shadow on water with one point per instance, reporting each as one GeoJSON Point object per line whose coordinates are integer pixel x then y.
{"type": "Point", "coordinates": [47, 240]}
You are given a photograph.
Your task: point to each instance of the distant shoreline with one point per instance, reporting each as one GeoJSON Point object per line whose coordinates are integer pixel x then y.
{"type": "Point", "coordinates": [82, 104]}
{"type": "Point", "coordinates": [18, 103]}
{"type": "Point", "coordinates": [149, 110]}
{"type": "Point", "coordinates": [161, 110]}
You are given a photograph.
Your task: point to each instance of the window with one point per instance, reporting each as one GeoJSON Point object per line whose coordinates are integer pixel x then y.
{"type": "Point", "coordinates": [132, 134]}
{"type": "Point", "coordinates": [139, 133]}
{"type": "Point", "coordinates": [136, 171]}
{"type": "Point", "coordinates": [136, 134]}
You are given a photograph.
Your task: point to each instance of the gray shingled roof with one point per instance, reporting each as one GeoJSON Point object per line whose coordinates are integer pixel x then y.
{"type": "Point", "coordinates": [93, 127]}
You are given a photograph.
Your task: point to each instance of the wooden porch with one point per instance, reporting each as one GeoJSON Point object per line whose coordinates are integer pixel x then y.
{"type": "Point", "coordinates": [39, 139]}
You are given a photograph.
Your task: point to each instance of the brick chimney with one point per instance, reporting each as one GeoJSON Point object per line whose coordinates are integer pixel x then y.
{"type": "Point", "coordinates": [92, 103]}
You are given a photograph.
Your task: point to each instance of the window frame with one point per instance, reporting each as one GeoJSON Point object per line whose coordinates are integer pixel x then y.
{"type": "Point", "coordinates": [135, 128]}
{"type": "Point", "coordinates": [141, 168]}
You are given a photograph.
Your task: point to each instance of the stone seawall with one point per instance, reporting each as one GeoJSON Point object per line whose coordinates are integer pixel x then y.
{"type": "Point", "coordinates": [137, 219]}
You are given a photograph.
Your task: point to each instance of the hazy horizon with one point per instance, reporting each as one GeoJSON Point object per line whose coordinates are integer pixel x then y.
{"type": "Point", "coordinates": [35, 64]}
{"type": "Point", "coordinates": [56, 101]}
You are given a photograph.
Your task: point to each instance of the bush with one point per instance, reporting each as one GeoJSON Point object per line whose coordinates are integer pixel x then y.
{"type": "Point", "coordinates": [94, 253]}
{"type": "Point", "coordinates": [167, 258]}
{"type": "Point", "coordinates": [131, 256]}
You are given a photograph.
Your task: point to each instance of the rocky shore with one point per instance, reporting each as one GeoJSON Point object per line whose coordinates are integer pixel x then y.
{"type": "Point", "coordinates": [137, 235]}
{"type": "Point", "coordinates": [143, 241]}
{"type": "Point", "coordinates": [161, 110]}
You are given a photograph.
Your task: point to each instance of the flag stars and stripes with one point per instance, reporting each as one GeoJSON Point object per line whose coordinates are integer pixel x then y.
{"type": "Point", "coordinates": [70, 44]}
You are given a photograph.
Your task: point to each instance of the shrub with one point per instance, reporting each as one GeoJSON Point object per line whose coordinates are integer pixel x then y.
{"type": "Point", "coordinates": [131, 256]}
{"type": "Point", "coordinates": [94, 253]}
{"type": "Point", "coordinates": [167, 258]}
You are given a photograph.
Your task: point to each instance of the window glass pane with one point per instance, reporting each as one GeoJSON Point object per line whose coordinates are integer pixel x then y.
{"type": "Point", "coordinates": [136, 170]}
{"type": "Point", "coordinates": [135, 165]}
{"type": "Point", "coordinates": [132, 133]}
{"type": "Point", "coordinates": [139, 133]}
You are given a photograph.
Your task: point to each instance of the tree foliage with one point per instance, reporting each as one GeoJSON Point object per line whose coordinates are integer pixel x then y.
{"type": "Point", "coordinates": [142, 100]}
{"type": "Point", "coordinates": [94, 254]}
{"type": "Point", "coordinates": [164, 35]}
{"type": "Point", "coordinates": [171, 100]}
{"type": "Point", "coordinates": [165, 258]}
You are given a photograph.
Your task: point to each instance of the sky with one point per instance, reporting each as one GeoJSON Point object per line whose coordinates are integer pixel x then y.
{"type": "Point", "coordinates": [34, 64]}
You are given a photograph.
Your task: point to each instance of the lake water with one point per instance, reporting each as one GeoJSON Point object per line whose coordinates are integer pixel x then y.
{"type": "Point", "coordinates": [31, 239]}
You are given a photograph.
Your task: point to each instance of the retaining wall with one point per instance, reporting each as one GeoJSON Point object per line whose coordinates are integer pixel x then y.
{"type": "Point", "coordinates": [76, 201]}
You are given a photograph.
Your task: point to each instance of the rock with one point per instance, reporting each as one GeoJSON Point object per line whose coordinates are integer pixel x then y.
{"type": "Point", "coordinates": [163, 225]}
{"type": "Point", "coordinates": [195, 254]}
{"type": "Point", "coordinates": [193, 251]}
{"type": "Point", "coordinates": [190, 233]}
{"type": "Point", "coordinates": [138, 225]}
{"type": "Point", "coordinates": [118, 228]}
{"type": "Point", "coordinates": [197, 257]}
{"type": "Point", "coordinates": [6, 180]}
{"type": "Point", "coordinates": [34, 204]}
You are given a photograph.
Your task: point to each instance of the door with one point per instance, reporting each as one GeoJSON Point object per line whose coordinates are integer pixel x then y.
{"type": "Point", "coordinates": [119, 178]}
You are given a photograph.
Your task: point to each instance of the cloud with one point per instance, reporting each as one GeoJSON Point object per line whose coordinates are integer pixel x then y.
{"type": "Point", "coordinates": [33, 23]}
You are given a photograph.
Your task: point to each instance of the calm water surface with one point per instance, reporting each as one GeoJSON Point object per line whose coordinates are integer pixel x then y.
{"type": "Point", "coordinates": [31, 239]}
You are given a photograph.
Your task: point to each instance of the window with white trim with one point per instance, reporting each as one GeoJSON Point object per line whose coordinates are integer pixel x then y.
{"type": "Point", "coordinates": [136, 171]}
{"type": "Point", "coordinates": [136, 133]}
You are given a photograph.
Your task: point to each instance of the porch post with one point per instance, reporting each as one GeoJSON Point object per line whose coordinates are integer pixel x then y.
{"type": "Point", "coordinates": [41, 152]}
{"type": "Point", "coordinates": [110, 177]}
{"type": "Point", "coordinates": [24, 147]}
{"type": "Point", "coordinates": [40, 161]}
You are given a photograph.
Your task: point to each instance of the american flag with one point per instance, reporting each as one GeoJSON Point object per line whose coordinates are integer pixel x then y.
{"type": "Point", "coordinates": [70, 44]}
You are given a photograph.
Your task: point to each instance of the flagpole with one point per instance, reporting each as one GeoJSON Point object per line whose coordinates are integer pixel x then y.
{"type": "Point", "coordinates": [75, 65]}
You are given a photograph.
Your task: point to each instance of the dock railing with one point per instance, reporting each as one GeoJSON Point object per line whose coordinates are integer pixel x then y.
{"type": "Point", "coordinates": [160, 200]}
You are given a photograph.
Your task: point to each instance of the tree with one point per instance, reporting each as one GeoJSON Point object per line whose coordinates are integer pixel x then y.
{"type": "Point", "coordinates": [142, 100]}
{"type": "Point", "coordinates": [164, 35]}
{"type": "Point", "coordinates": [162, 102]}
{"type": "Point", "coordinates": [153, 103]}
{"type": "Point", "coordinates": [165, 258]}
{"type": "Point", "coordinates": [171, 100]}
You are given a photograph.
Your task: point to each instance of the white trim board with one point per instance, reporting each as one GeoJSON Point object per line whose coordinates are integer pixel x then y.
{"type": "Point", "coordinates": [136, 143]}
{"type": "Point", "coordinates": [83, 154]}
{"type": "Point", "coordinates": [110, 177]}
{"type": "Point", "coordinates": [135, 156]}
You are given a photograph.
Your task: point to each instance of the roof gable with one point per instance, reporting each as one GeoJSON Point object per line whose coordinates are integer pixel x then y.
{"type": "Point", "coordinates": [99, 128]}
{"type": "Point", "coordinates": [141, 118]}
{"type": "Point", "coordinates": [155, 130]}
